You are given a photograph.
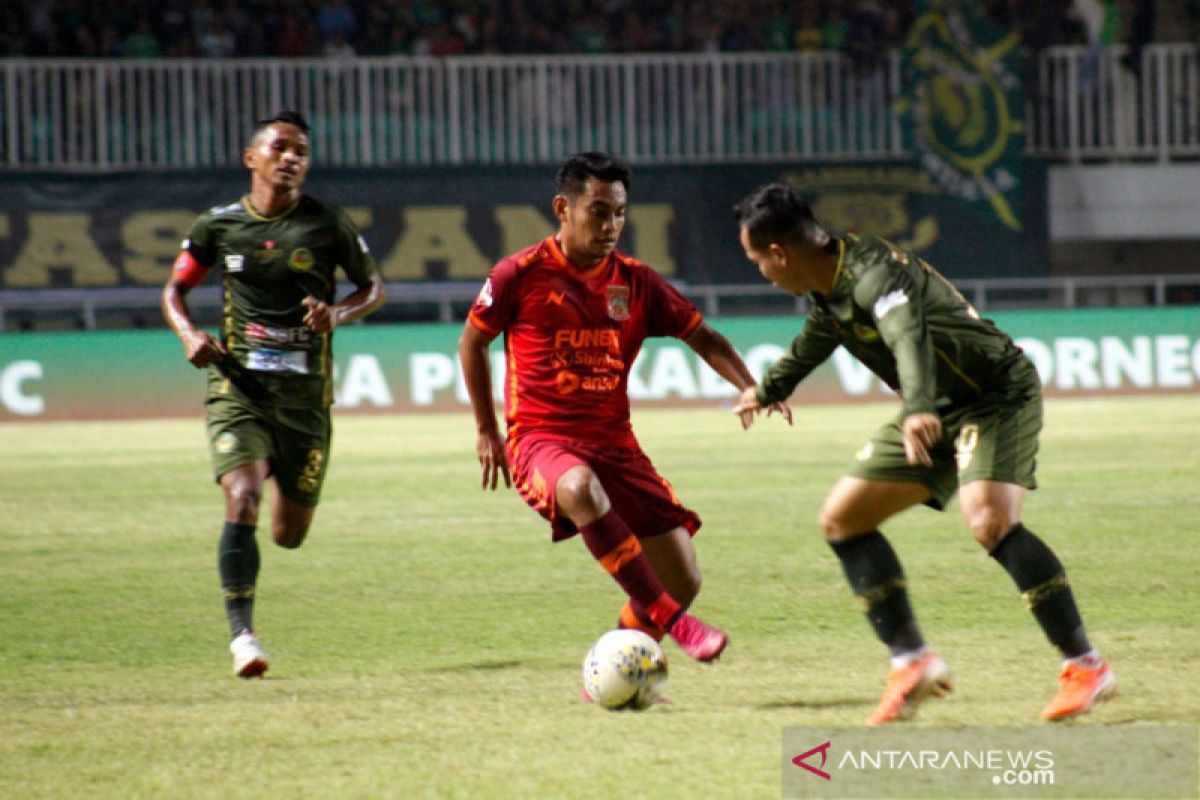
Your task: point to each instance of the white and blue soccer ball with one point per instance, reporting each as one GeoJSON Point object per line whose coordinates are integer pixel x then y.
{"type": "Point", "coordinates": [625, 670]}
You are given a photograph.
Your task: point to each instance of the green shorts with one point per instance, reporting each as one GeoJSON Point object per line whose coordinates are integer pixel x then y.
{"type": "Point", "coordinates": [295, 441]}
{"type": "Point", "coordinates": [990, 441]}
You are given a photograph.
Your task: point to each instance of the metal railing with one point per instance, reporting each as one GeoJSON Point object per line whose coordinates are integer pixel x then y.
{"type": "Point", "coordinates": [448, 302]}
{"type": "Point", "coordinates": [101, 115]}
{"type": "Point", "coordinates": [187, 113]}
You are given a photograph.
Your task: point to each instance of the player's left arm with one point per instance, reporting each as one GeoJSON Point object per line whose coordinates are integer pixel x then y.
{"type": "Point", "coordinates": [359, 266]}
{"type": "Point", "coordinates": [719, 354]}
{"type": "Point", "coordinates": [894, 300]}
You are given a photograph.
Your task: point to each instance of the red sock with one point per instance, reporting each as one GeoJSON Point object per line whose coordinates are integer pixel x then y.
{"type": "Point", "coordinates": [633, 617]}
{"type": "Point", "coordinates": [620, 553]}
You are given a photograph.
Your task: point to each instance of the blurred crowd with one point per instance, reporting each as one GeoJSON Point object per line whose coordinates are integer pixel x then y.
{"type": "Point", "coordinates": [332, 28]}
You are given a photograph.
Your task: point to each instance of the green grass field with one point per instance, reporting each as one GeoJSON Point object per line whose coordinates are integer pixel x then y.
{"type": "Point", "coordinates": [426, 641]}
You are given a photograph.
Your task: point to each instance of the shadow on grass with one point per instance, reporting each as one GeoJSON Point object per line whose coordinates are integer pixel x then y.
{"type": "Point", "coordinates": [841, 702]}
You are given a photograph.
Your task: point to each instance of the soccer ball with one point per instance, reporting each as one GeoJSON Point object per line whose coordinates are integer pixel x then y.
{"type": "Point", "coordinates": [625, 669]}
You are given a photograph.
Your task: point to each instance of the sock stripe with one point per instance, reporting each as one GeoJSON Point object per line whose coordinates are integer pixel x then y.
{"type": "Point", "coordinates": [1032, 598]}
{"type": "Point", "coordinates": [663, 610]}
{"type": "Point", "coordinates": [876, 594]}
{"type": "Point", "coordinates": [630, 619]}
{"type": "Point", "coordinates": [622, 554]}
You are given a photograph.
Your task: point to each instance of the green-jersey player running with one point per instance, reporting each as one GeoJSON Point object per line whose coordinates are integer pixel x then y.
{"type": "Point", "coordinates": [972, 410]}
{"type": "Point", "coordinates": [270, 372]}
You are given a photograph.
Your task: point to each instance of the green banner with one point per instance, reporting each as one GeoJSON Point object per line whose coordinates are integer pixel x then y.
{"type": "Point", "coordinates": [412, 368]}
{"type": "Point", "coordinates": [964, 108]}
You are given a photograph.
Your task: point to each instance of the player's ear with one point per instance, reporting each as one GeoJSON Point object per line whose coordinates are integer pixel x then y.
{"type": "Point", "coordinates": [778, 252]}
{"type": "Point", "coordinates": [560, 204]}
{"type": "Point", "coordinates": [248, 157]}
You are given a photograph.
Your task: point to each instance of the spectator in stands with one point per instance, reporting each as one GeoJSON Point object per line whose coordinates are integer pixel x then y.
{"type": "Point", "coordinates": [807, 35]}
{"type": "Point", "coordinates": [218, 41]}
{"type": "Point", "coordinates": [835, 30]}
{"type": "Point", "coordinates": [1141, 33]}
{"type": "Point", "coordinates": [865, 36]}
{"type": "Point", "coordinates": [142, 43]}
{"type": "Point", "coordinates": [297, 38]}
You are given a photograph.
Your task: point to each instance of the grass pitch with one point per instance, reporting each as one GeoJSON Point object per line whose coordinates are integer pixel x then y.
{"type": "Point", "coordinates": [426, 641]}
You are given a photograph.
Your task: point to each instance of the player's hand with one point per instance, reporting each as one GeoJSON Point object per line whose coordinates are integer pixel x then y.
{"type": "Point", "coordinates": [921, 432]}
{"type": "Point", "coordinates": [747, 406]}
{"type": "Point", "coordinates": [492, 458]}
{"type": "Point", "coordinates": [201, 348]}
{"type": "Point", "coordinates": [784, 411]}
{"type": "Point", "coordinates": [320, 317]}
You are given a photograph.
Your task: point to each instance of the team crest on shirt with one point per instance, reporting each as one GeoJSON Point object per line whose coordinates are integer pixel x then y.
{"type": "Point", "coordinates": [864, 333]}
{"type": "Point", "coordinates": [226, 442]}
{"type": "Point", "coordinates": [301, 259]}
{"type": "Point", "coordinates": [618, 302]}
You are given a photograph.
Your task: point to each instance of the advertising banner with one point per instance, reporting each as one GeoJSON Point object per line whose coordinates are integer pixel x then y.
{"type": "Point", "coordinates": [413, 368]}
{"type": "Point", "coordinates": [448, 224]}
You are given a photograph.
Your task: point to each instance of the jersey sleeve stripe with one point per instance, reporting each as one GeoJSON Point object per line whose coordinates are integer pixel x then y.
{"type": "Point", "coordinates": [692, 325]}
{"type": "Point", "coordinates": [474, 319]}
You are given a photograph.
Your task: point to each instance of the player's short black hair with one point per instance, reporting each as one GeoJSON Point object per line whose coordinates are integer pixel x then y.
{"type": "Point", "coordinates": [581, 166]}
{"type": "Point", "coordinates": [286, 116]}
{"type": "Point", "coordinates": [775, 212]}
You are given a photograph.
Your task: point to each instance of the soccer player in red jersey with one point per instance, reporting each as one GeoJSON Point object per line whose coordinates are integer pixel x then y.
{"type": "Point", "coordinates": [574, 312]}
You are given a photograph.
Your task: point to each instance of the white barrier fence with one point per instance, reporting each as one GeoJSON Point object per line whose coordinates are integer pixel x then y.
{"type": "Point", "coordinates": [101, 115]}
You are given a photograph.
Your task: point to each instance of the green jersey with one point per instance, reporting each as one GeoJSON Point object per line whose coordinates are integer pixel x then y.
{"type": "Point", "coordinates": [268, 266]}
{"type": "Point", "coordinates": [909, 326]}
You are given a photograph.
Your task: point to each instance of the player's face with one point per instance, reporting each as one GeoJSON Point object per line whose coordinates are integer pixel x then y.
{"type": "Point", "coordinates": [279, 156]}
{"type": "Point", "coordinates": [774, 265]}
{"type": "Point", "coordinates": [591, 223]}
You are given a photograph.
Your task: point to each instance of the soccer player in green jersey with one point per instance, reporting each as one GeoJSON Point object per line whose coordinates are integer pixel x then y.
{"type": "Point", "coordinates": [270, 372]}
{"type": "Point", "coordinates": [972, 410]}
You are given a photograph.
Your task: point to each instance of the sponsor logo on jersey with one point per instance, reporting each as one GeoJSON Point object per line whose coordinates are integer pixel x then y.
{"type": "Point", "coordinates": [866, 452]}
{"type": "Point", "coordinates": [301, 259]}
{"type": "Point", "coordinates": [889, 301]}
{"type": "Point", "coordinates": [268, 252]}
{"type": "Point", "coordinates": [362, 244]}
{"type": "Point", "coordinates": [258, 332]}
{"type": "Point", "coordinates": [618, 302]}
{"type": "Point", "coordinates": [556, 297]}
{"type": "Point", "coordinates": [607, 338]}
{"type": "Point", "coordinates": [235, 263]}
{"type": "Point", "coordinates": [566, 382]}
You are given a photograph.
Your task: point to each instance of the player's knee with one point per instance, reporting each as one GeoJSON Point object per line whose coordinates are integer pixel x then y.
{"type": "Point", "coordinates": [833, 524]}
{"type": "Point", "coordinates": [580, 494]}
{"type": "Point", "coordinates": [242, 500]}
{"type": "Point", "coordinates": [987, 525]}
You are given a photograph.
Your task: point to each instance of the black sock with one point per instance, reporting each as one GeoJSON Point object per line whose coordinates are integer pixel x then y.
{"type": "Point", "coordinates": [237, 563]}
{"type": "Point", "coordinates": [1044, 588]}
{"type": "Point", "coordinates": [877, 579]}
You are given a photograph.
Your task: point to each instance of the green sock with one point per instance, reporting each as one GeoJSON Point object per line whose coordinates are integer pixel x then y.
{"type": "Point", "coordinates": [877, 579]}
{"type": "Point", "coordinates": [237, 563]}
{"type": "Point", "coordinates": [1044, 589]}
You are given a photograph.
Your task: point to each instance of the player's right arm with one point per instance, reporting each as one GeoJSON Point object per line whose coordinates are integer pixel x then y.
{"type": "Point", "coordinates": [200, 347]}
{"type": "Point", "coordinates": [494, 309]}
{"type": "Point", "coordinates": [477, 374]}
{"type": "Point", "coordinates": [807, 352]}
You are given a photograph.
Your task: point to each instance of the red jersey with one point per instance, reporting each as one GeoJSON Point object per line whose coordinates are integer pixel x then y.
{"type": "Point", "coordinates": [571, 337]}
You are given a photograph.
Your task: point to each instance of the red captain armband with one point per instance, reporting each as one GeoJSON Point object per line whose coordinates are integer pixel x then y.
{"type": "Point", "coordinates": [188, 270]}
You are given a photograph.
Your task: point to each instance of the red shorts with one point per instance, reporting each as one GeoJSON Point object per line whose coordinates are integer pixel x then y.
{"type": "Point", "coordinates": [639, 495]}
